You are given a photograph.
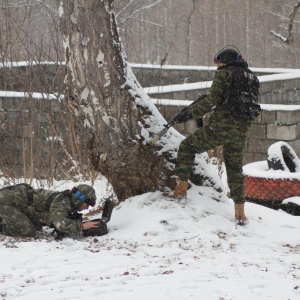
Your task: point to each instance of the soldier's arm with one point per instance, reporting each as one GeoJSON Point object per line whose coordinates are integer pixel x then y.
{"type": "Point", "coordinates": [59, 216]}
{"type": "Point", "coordinates": [220, 84]}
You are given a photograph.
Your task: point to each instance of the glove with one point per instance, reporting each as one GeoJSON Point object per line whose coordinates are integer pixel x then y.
{"type": "Point", "coordinates": [199, 122]}
{"type": "Point", "coordinates": [75, 215]}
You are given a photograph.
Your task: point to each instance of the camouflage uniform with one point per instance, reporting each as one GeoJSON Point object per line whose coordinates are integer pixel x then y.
{"type": "Point", "coordinates": [62, 207]}
{"type": "Point", "coordinates": [222, 129]}
{"type": "Point", "coordinates": [21, 218]}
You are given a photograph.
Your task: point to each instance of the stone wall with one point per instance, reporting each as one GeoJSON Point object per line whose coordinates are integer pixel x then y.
{"type": "Point", "coordinates": [277, 91]}
{"type": "Point", "coordinates": [49, 78]}
{"type": "Point", "coordinates": [279, 120]}
{"type": "Point", "coordinates": [271, 126]}
{"type": "Point", "coordinates": [42, 78]}
{"type": "Point", "coordinates": [32, 127]}
{"type": "Point", "coordinates": [276, 122]}
{"type": "Point", "coordinates": [153, 75]}
{"type": "Point", "coordinates": [30, 135]}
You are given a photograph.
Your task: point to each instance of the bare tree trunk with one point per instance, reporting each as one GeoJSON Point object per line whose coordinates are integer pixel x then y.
{"type": "Point", "coordinates": [189, 35]}
{"type": "Point", "coordinates": [109, 104]}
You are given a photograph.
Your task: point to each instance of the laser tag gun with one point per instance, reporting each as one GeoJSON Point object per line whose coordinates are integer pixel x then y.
{"type": "Point", "coordinates": [106, 215]}
{"type": "Point", "coordinates": [183, 116]}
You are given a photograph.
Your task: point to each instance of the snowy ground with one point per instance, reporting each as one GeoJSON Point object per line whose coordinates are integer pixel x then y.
{"type": "Point", "coordinates": [159, 249]}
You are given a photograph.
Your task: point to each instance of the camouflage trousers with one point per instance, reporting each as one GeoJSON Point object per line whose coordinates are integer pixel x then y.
{"type": "Point", "coordinates": [15, 214]}
{"type": "Point", "coordinates": [205, 139]}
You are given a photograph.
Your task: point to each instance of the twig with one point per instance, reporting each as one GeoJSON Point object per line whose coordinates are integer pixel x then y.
{"type": "Point", "coordinates": [191, 237]}
{"type": "Point", "coordinates": [237, 270]}
{"type": "Point", "coordinates": [292, 16]}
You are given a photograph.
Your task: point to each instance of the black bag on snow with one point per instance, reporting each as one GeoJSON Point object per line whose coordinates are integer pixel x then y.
{"type": "Point", "coordinates": [106, 215]}
{"type": "Point", "coordinates": [100, 230]}
{"type": "Point", "coordinates": [242, 98]}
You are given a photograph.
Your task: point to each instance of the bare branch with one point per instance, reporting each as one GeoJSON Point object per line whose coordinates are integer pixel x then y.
{"type": "Point", "coordinates": [279, 36]}
{"type": "Point", "coordinates": [123, 9]}
{"type": "Point", "coordinates": [26, 3]}
{"type": "Point", "coordinates": [164, 59]}
{"type": "Point", "coordinates": [121, 20]}
{"type": "Point", "coordinates": [20, 4]}
{"type": "Point", "coordinates": [292, 16]}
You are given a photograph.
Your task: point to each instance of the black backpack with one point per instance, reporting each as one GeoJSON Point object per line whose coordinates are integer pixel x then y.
{"type": "Point", "coordinates": [242, 98]}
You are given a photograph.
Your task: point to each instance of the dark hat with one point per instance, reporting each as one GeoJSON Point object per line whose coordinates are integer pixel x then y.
{"type": "Point", "coordinates": [227, 54]}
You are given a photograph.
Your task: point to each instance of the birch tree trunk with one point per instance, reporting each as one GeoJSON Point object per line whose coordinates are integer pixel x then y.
{"type": "Point", "coordinates": [113, 114]}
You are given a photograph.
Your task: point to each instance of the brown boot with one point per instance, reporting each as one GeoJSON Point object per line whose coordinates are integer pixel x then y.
{"type": "Point", "coordinates": [180, 190]}
{"type": "Point", "coordinates": [240, 217]}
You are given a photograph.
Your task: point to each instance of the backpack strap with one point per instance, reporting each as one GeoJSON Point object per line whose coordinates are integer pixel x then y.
{"type": "Point", "coordinates": [30, 195]}
{"type": "Point", "coordinates": [53, 195]}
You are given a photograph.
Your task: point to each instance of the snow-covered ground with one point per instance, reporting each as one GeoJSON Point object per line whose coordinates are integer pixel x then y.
{"type": "Point", "coordinates": [161, 249]}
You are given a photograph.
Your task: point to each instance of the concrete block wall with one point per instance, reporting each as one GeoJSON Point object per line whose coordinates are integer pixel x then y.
{"type": "Point", "coordinates": [42, 78]}
{"type": "Point", "coordinates": [273, 125]}
{"type": "Point", "coordinates": [149, 75]}
{"type": "Point", "coordinates": [273, 92]}
{"type": "Point", "coordinates": [31, 124]}
{"type": "Point", "coordinates": [280, 91]}
{"type": "Point", "coordinates": [49, 78]}
{"type": "Point", "coordinates": [28, 137]}
{"type": "Point", "coordinates": [161, 77]}
{"type": "Point", "coordinates": [270, 127]}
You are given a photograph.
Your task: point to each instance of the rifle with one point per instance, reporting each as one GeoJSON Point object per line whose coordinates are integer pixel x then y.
{"type": "Point", "coordinates": [175, 120]}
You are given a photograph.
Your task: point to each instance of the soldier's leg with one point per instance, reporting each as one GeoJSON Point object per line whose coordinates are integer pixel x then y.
{"type": "Point", "coordinates": [198, 142]}
{"type": "Point", "coordinates": [233, 158]}
{"type": "Point", "coordinates": [15, 223]}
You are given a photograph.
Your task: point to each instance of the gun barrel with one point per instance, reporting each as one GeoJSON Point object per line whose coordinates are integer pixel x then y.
{"type": "Point", "coordinates": [174, 121]}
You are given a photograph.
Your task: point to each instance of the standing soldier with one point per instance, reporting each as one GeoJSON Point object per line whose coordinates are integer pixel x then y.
{"type": "Point", "coordinates": [24, 210]}
{"type": "Point", "coordinates": [233, 97]}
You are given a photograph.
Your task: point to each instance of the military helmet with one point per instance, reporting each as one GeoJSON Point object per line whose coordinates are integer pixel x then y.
{"type": "Point", "coordinates": [84, 193]}
{"type": "Point", "coordinates": [227, 54]}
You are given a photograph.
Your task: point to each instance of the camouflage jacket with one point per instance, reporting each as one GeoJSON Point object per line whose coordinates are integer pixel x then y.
{"type": "Point", "coordinates": [215, 101]}
{"type": "Point", "coordinates": [40, 214]}
{"type": "Point", "coordinates": [60, 210]}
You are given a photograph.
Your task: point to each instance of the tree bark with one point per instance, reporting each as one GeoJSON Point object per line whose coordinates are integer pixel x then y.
{"type": "Point", "coordinates": [113, 114]}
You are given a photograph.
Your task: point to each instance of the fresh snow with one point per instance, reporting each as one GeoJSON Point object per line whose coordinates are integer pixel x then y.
{"type": "Point", "coordinates": [209, 68]}
{"type": "Point", "coordinates": [260, 169]}
{"type": "Point", "coordinates": [285, 74]}
{"type": "Point", "coordinates": [8, 94]}
{"type": "Point", "coordinates": [10, 64]}
{"type": "Point", "coordinates": [268, 107]}
{"type": "Point", "coordinates": [160, 249]}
